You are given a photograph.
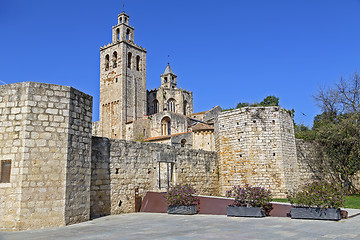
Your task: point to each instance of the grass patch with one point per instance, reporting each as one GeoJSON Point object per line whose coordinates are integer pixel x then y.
{"type": "Point", "coordinates": [351, 201]}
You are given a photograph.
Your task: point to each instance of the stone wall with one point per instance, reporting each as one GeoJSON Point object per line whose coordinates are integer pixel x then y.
{"type": "Point", "coordinates": [307, 153]}
{"type": "Point", "coordinates": [119, 167]}
{"type": "Point", "coordinates": [256, 145]}
{"type": "Point", "coordinates": [45, 132]}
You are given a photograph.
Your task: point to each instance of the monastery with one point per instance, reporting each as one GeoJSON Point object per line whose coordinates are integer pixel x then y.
{"type": "Point", "coordinates": [59, 168]}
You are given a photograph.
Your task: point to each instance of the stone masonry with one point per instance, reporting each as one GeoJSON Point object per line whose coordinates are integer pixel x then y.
{"type": "Point", "coordinates": [45, 132]}
{"type": "Point", "coordinates": [119, 167]}
{"type": "Point", "coordinates": [256, 145]}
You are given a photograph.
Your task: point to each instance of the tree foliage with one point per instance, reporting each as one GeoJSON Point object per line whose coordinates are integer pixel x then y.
{"type": "Point", "coordinates": [337, 129]}
{"type": "Point", "coordinates": [268, 101]}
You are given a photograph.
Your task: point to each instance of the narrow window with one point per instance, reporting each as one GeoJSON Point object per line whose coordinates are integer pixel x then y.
{"type": "Point", "coordinates": [128, 34]}
{"type": "Point", "coordinates": [155, 106]}
{"type": "Point", "coordinates": [120, 20]}
{"type": "Point", "coordinates": [125, 20]}
{"type": "Point", "coordinates": [114, 59]}
{"type": "Point", "coordinates": [107, 58]}
{"type": "Point", "coordinates": [165, 79]}
{"type": "Point", "coordinates": [5, 171]}
{"type": "Point", "coordinates": [185, 107]}
{"type": "Point", "coordinates": [129, 60]}
{"type": "Point", "coordinates": [137, 63]}
{"type": "Point", "coordinates": [118, 34]}
{"type": "Point", "coordinates": [183, 143]}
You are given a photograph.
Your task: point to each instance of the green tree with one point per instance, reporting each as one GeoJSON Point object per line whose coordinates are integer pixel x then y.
{"type": "Point", "coordinates": [270, 101]}
{"type": "Point", "coordinates": [337, 129]}
{"type": "Point", "coordinates": [240, 105]}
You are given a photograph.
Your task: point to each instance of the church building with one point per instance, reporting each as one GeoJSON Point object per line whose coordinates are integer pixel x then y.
{"type": "Point", "coordinates": [129, 111]}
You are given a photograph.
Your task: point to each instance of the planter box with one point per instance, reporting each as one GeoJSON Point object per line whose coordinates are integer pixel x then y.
{"type": "Point", "coordinates": [316, 213]}
{"type": "Point", "coordinates": [235, 211]}
{"type": "Point", "coordinates": [185, 210]}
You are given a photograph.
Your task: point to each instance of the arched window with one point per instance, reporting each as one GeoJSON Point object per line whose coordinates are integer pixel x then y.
{"type": "Point", "coordinates": [107, 59]}
{"type": "Point", "coordinates": [155, 106]}
{"type": "Point", "coordinates": [138, 63]}
{"type": "Point", "coordinates": [129, 60]}
{"type": "Point", "coordinates": [118, 34]}
{"type": "Point", "coordinates": [114, 59]}
{"type": "Point", "coordinates": [165, 126]}
{"type": "Point", "coordinates": [127, 34]}
{"type": "Point", "coordinates": [183, 143]}
{"type": "Point", "coordinates": [185, 106]}
{"type": "Point", "coordinates": [171, 105]}
{"type": "Point", "coordinates": [120, 20]}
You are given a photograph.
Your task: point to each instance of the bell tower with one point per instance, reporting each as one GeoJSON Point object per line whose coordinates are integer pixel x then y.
{"type": "Point", "coordinates": [122, 80]}
{"type": "Point", "coordinates": [168, 78]}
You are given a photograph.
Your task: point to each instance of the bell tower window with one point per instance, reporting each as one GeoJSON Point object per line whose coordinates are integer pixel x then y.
{"type": "Point", "coordinates": [114, 59]}
{"type": "Point", "coordinates": [117, 34]}
{"type": "Point", "coordinates": [129, 60]}
{"type": "Point", "coordinates": [127, 34]}
{"type": "Point", "coordinates": [107, 59]}
{"type": "Point", "coordinates": [137, 63]}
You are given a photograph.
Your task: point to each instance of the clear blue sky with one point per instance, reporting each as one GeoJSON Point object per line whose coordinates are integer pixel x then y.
{"type": "Point", "coordinates": [224, 51]}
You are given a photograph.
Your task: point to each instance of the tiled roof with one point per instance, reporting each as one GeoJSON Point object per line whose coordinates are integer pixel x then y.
{"type": "Point", "coordinates": [168, 70]}
{"type": "Point", "coordinates": [202, 127]}
{"type": "Point", "coordinates": [163, 137]}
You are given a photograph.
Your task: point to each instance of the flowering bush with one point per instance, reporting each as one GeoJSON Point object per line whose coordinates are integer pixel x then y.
{"type": "Point", "coordinates": [251, 197]}
{"type": "Point", "coordinates": [181, 195]}
{"type": "Point", "coordinates": [321, 194]}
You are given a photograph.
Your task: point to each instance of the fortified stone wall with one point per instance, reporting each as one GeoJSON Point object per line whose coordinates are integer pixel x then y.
{"type": "Point", "coordinates": [120, 167]}
{"type": "Point", "coordinates": [45, 132]}
{"type": "Point", "coordinates": [256, 145]}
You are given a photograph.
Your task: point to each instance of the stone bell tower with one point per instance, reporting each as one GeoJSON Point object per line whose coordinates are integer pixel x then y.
{"type": "Point", "coordinates": [122, 80]}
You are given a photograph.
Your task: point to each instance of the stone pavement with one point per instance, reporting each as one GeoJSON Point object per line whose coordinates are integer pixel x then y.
{"type": "Point", "coordinates": [164, 226]}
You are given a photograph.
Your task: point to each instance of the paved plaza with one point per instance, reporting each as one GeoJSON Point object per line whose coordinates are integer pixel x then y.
{"type": "Point", "coordinates": [164, 226]}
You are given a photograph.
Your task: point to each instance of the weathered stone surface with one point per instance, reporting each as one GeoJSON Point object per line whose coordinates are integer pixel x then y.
{"type": "Point", "coordinates": [119, 167]}
{"type": "Point", "coordinates": [256, 145]}
{"type": "Point", "coordinates": [50, 168]}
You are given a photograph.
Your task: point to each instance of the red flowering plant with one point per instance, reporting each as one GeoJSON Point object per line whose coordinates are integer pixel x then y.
{"type": "Point", "coordinates": [181, 195]}
{"type": "Point", "coordinates": [321, 194]}
{"type": "Point", "coordinates": [248, 196]}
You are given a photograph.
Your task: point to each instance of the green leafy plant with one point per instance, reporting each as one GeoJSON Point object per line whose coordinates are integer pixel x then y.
{"type": "Point", "coordinates": [251, 197]}
{"type": "Point", "coordinates": [321, 194]}
{"type": "Point", "coordinates": [181, 195]}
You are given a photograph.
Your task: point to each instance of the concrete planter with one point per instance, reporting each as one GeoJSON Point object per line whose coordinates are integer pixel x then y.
{"type": "Point", "coordinates": [184, 210]}
{"type": "Point", "coordinates": [235, 211]}
{"type": "Point", "coordinates": [316, 213]}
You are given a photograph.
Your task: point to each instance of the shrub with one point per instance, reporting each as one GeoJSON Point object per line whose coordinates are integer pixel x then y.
{"type": "Point", "coordinates": [251, 197]}
{"type": "Point", "coordinates": [321, 194]}
{"type": "Point", "coordinates": [181, 195]}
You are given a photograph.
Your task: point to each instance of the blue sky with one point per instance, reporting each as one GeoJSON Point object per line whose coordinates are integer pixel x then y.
{"type": "Point", "coordinates": [224, 51]}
